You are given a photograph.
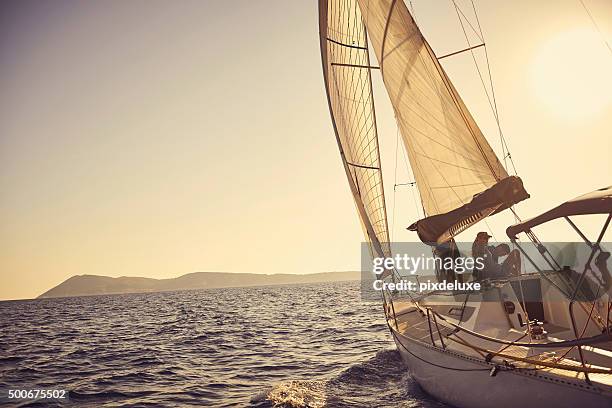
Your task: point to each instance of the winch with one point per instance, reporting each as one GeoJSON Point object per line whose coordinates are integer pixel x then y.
{"type": "Point", "coordinates": [536, 331]}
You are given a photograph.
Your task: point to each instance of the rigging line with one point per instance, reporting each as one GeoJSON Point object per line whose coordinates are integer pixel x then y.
{"type": "Point", "coordinates": [489, 228]}
{"type": "Point", "coordinates": [394, 185]}
{"type": "Point", "coordinates": [496, 112]}
{"type": "Point", "coordinates": [451, 96]}
{"type": "Point", "coordinates": [412, 13]}
{"type": "Point", "coordinates": [459, 104]}
{"type": "Point", "coordinates": [493, 109]}
{"type": "Point", "coordinates": [504, 144]}
{"type": "Point", "coordinates": [408, 168]}
{"type": "Point", "coordinates": [518, 219]}
{"type": "Point", "coordinates": [457, 10]}
{"type": "Point", "coordinates": [603, 38]}
{"type": "Point", "coordinates": [524, 301]}
{"type": "Point", "coordinates": [480, 36]}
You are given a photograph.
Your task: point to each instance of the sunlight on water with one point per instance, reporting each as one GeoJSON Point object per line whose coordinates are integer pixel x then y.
{"type": "Point", "coordinates": [293, 346]}
{"type": "Point", "coordinates": [298, 394]}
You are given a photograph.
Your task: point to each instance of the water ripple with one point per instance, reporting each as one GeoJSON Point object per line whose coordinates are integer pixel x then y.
{"type": "Point", "coordinates": [286, 346]}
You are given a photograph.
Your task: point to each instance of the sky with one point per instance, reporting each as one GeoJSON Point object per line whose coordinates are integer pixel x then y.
{"type": "Point", "coordinates": [158, 138]}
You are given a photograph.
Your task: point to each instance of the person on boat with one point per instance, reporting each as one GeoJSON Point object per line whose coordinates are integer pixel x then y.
{"type": "Point", "coordinates": [490, 255]}
{"type": "Point", "coordinates": [602, 264]}
{"type": "Point", "coordinates": [445, 251]}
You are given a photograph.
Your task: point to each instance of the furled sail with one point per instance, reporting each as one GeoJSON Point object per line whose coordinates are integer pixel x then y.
{"type": "Point", "coordinates": [345, 57]}
{"type": "Point", "coordinates": [451, 160]}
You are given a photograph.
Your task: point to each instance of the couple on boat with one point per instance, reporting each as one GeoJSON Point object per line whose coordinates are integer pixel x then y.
{"type": "Point", "coordinates": [491, 268]}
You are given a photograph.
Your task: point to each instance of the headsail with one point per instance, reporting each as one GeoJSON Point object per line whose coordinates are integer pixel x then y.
{"type": "Point", "coordinates": [451, 159]}
{"type": "Point", "coordinates": [345, 57]}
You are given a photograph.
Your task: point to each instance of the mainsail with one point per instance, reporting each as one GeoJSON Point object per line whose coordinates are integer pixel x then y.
{"type": "Point", "coordinates": [345, 57]}
{"type": "Point", "coordinates": [451, 159]}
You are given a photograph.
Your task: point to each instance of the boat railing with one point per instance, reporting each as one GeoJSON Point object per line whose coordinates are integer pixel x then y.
{"type": "Point", "coordinates": [432, 315]}
{"type": "Point", "coordinates": [437, 336]}
{"type": "Point", "coordinates": [595, 247]}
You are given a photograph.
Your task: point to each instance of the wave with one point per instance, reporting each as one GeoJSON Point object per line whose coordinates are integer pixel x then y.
{"type": "Point", "coordinates": [198, 348]}
{"type": "Point", "coordinates": [292, 394]}
{"type": "Point", "coordinates": [381, 381]}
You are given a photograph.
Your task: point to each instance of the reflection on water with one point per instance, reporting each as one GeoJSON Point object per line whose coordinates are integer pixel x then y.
{"type": "Point", "coordinates": [314, 345]}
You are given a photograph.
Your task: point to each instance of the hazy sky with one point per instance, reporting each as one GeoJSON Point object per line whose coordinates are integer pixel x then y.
{"type": "Point", "coordinates": [157, 138]}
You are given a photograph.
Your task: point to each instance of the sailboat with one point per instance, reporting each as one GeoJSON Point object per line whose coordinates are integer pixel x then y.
{"type": "Point", "coordinates": [478, 349]}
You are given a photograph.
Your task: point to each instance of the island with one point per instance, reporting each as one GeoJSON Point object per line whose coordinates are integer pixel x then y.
{"type": "Point", "coordinates": [91, 285]}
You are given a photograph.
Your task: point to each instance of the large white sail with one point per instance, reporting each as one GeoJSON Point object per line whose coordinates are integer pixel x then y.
{"type": "Point", "coordinates": [345, 56]}
{"type": "Point", "coordinates": [451, 159]}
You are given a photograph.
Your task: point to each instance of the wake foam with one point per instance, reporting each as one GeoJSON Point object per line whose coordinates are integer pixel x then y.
{"type": "Point", "coordinates": [293, 394]}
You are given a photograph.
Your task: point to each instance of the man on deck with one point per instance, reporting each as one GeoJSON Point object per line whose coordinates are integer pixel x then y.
{"type": "Point", "coordinates": [490, 255]}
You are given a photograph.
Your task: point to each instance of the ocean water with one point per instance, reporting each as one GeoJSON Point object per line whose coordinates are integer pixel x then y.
{"type": "Point", "coordinates": [312, 345]}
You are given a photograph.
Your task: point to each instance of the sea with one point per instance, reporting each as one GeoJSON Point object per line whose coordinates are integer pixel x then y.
{"type": "Point", "coordinates": [315, 345]}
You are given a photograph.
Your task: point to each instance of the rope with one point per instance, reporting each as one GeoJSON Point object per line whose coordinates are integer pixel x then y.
{"type": "Point", "coordinates": [505, 150]}
{"type": "Point", "coordinates": [491, 99]}
{"type": "Point", "coordinates": [524, 300]}
{"type": "Point", "coordinates": [603, 38]}
{"type": "Point", "coordinates": [394, 185]}
{"type": "Point", "coordinates": [601, 338]}
{"type": "Point", "coordinates": [465, 343]}
{"type": "Point", "coordinates": [434, 364]}
{"type": "Point", "coordinates": [410, 173]}
{"type": "Point", "coordinates": [595, 339]}
{"type": "Point", "coordinates": [546, 363]}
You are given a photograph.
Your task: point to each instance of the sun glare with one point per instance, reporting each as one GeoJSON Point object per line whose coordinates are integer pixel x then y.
{"type": "Point", "coordinates": [571, 75]}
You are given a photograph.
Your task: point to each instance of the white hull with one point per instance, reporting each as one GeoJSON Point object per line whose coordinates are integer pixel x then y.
{"type": "Point", "coordinates": [470, 385]}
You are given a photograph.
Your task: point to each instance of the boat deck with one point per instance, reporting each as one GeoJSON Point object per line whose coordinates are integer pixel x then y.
{"type": "Point", "coordinates": [414, 324]}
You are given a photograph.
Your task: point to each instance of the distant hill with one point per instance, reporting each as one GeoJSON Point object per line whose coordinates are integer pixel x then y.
{"type": "Point", "coordinates": [87, 285]}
